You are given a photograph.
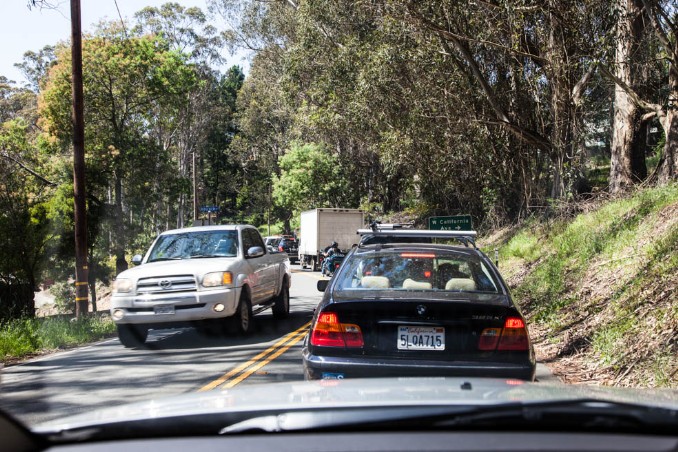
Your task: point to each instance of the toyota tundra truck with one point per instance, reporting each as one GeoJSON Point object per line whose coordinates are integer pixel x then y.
{"type": "Point", "coordinates": [211, 275]}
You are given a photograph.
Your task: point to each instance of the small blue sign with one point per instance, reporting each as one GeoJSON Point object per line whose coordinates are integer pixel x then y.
{"type": "Point", "coordinates": [209, 208]}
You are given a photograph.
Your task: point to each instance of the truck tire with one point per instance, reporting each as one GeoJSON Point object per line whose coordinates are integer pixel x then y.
{"type": "Point", "coordinates": [281, 306]}
{"type": "Point", "coordinates": [241, 322]}
{"type": "Point", "coordinates": [132, 335]}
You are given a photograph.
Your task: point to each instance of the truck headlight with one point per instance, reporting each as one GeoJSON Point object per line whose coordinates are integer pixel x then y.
{"type": "Point", "coordinates": [122, 285]}
{"type": "Point", "coordinates": [217, 279]}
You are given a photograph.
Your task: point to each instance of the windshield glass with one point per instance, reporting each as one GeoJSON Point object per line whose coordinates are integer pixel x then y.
{"type": "Point", "coordinates": [416, 270]}
{"type": "Point", "coordinates": [206, 196]}
{"type": "Point", "coordinates": [195, 244]}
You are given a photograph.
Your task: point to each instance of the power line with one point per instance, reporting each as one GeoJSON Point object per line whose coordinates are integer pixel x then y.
{"type": "Point", "coordinates": [124, 29]}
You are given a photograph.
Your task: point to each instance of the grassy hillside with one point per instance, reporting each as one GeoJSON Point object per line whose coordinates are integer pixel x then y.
{"type": "Point", "coordinates": [600, 288]}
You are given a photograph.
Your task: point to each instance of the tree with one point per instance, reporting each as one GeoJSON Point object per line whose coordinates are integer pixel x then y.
{"type": "Point", "coordinates": [659, 17]}
{"type": "Point", "coordinates": [24, 229]}
{"type": "Point", "coordinates": [126, 80]}
{"type": "Point", "coordinates": [35, 66]}
{"type": "Point", "coordinates": [309, 178]}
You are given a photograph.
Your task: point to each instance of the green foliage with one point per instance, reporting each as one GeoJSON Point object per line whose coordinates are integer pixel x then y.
{"type": "Point", "coordinates": [613, 270]}
{"type": "Point", "coordinates": [64, 297]}
{"type": "Point", "coordinates": [524, 245]}
{"type": "Point", "coordinates": [23, 337]}
{"type": "Point", "coordinates": [24, 228]}
{"type": "Point", "coordinates": [18, 338]}
{"type": "Point", "coordinates": [310, 177]}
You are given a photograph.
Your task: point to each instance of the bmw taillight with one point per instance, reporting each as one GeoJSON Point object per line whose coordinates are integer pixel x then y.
{"type": "Point", "coordinates": [512, 337]}
{"type": "Point", "coordinates": [328, 331]}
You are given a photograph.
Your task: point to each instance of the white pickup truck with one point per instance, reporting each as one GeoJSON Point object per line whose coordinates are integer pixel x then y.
{"type": "Point", "coordinates": [220, 274]}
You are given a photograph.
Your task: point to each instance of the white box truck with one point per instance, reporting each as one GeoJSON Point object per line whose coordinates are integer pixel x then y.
{"type": "Point", "coordinates": [320, 227]}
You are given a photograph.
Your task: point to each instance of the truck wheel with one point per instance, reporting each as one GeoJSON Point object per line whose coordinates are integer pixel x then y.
{"type": "Point", "coordinates": [281, 307]}
{"type": "Point", "coordinates": [132, 335]}
{"type": "Point", "coordinates": [242, 319]}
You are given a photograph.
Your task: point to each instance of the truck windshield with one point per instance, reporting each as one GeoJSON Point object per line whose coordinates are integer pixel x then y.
{"type": "Point", "coordinates": [194, 245]}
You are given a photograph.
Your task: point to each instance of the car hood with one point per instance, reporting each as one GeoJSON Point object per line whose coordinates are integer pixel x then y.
{"type": "Point", "coordinates": [358, 393]}
{"type": "Point", "coordinates": [177, 267]}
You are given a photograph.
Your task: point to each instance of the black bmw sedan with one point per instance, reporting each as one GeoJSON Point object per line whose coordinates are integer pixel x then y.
{"type": "Point", "coordinates": [398, 308]}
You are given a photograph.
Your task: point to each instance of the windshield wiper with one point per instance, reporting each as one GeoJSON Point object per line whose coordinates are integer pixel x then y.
{"type": "Point", "coordinates": [159, 259]}
{"type": "Point", "coordinates": [575, 415]}
{"type": "Point", "coordinates": [208, 256]}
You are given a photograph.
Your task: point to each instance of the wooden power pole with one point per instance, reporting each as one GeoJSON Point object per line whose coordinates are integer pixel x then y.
{"type": "Point", "coordinates": [81, 271]}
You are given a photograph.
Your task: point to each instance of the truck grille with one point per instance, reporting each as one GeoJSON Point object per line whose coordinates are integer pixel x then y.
{"type": "Point", "coordinates": [166, 284]}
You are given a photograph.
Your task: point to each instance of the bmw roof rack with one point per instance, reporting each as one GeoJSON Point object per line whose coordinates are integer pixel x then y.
{"type": "Point", "coordinates": [396, 230]}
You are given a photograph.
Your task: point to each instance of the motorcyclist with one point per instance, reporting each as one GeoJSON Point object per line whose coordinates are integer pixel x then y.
{"type": "Point", "coordinates": [328, 252]}
{"type": "Point", "coordinates": [333, 248]}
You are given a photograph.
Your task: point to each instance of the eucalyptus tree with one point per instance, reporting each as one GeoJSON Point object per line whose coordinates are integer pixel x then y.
{"type": "Point", "coordinates": [36, 65]}
{"type": "Point", "coordinates": [191, 132]}
{"type": "Point", "coordinates": [125, 79]}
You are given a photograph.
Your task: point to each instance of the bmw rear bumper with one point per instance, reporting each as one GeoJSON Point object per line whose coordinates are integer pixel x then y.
{"type": "Point", "coordinates": [331, 367]}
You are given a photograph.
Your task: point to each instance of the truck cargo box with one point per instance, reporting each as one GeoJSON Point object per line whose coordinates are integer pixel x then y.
{"type": "Point", "coordinates": [320, 227]}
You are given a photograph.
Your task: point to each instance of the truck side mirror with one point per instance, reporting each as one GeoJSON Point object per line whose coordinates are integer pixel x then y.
{"type": "Point", "coordinates": [255, 251]}
{"type": "Point", "coordinates": [136, 260]}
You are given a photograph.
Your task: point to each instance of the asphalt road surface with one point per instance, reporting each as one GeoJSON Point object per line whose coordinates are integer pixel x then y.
{"type": "Point", "coordinates": [172, 362]}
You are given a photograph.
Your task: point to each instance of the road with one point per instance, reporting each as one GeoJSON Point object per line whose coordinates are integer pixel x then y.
{"type": "Point", "coordinates": [172, 362]}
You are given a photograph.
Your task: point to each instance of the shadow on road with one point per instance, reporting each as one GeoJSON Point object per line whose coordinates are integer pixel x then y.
{"type": "Point", "coordinates": [265, 329]}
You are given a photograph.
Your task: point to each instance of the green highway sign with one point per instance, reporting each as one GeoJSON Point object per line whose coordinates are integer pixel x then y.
{"type": "Point", "coordinates": [454, 223]}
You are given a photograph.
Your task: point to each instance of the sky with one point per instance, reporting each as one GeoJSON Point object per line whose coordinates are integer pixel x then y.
{"type": "Point", "coordinates": [22, 29]}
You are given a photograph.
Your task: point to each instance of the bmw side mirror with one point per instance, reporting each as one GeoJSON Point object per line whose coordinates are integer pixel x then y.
{"type": "Point", "coordinates": [322, 285]}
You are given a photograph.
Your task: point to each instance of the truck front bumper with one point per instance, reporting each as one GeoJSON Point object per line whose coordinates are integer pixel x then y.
{"type": "Point", "coordinates": [174, 307]}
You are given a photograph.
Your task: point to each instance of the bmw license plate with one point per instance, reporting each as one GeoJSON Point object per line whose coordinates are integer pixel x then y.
{"type": "Point", "coordinates": [421, 338]}
{"type": "Point", "coordinates": [164, 309]}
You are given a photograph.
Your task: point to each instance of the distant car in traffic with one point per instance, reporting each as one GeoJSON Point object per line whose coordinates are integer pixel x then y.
{"type": "Point", "coordinates": [271, 243]}
{"type": "Point", "coordinates": [397, 308]}
{"type": "Point", "coordinates": [289, 245]}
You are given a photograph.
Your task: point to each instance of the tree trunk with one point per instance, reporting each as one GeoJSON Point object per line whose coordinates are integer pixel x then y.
{"type": "Point", "coordinates": [93, 295]}
{"type": "Point", "coordinates": [119, 228]}
{"type": "Point", "coordinates": [625, 110]}
{"type": "Point", "coordinates": [561, 106]}
{"type": "Point", "coordinates": [668, 166]}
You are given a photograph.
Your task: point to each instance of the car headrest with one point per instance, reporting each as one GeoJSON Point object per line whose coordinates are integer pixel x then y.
{"type": "Point", "coordinates": [375, 282]}
{"type": "Point", "coordinates": [460, 284]}
{"type": "Point", "coordinates": [412, 284]}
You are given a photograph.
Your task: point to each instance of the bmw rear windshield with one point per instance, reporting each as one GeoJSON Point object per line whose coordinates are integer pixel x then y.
{"type": "Point", "coordinates": [419, 271]}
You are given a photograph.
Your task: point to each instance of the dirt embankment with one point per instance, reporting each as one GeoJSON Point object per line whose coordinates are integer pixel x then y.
{"type": "Point", "coordinates": [617, 323]}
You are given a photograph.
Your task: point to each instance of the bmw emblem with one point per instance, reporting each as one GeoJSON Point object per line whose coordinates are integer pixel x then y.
{"type": "Point", "coordinates": [165, 284]}
{"type": "Point", "coordinates": [421, 309]}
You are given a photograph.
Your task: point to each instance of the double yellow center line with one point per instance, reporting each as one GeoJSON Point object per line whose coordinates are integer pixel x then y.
{"type": "Point", "coordinates": [238, 374]}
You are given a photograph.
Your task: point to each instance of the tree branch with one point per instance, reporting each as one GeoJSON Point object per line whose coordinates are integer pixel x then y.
{"type": "Point", "coordinates": [4, 154]}
{"type": "Point", "coordinates": [652, 11]}
{"type": "Point", "coordinates": [647, 106]}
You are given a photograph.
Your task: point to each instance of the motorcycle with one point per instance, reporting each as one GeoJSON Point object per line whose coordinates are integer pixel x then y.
{"type": "Point", "coordinates": [331, 264]}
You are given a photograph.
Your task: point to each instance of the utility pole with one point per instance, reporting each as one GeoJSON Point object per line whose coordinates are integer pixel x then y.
{"type": "Point", "coordinates": [195, 190]}
{"type": "Point", "coordinates": [80, 219]}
